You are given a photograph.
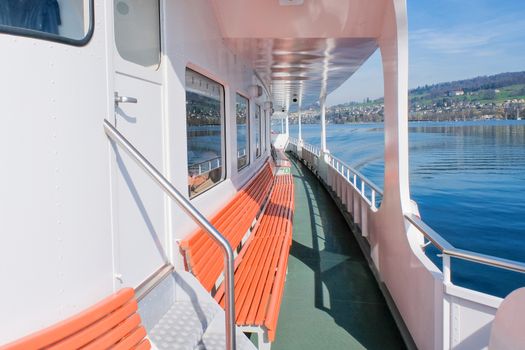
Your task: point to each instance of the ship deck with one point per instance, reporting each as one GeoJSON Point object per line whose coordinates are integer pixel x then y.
{"type": "Point", "coordinates": [331, 299]}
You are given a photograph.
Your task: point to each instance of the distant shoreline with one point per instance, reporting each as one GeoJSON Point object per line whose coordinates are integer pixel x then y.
{"type": "Point", "coordinates": [421, 121]}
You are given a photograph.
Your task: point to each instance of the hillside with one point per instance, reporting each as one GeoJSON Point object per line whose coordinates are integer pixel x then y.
{"type": "Point", "coordinates": [500, 96]}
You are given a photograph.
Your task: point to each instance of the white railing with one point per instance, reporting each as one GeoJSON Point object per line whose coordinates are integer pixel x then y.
{"type": "Point", "coordinates": [462, 310]}
{"type": "Point", "coordinates": [312, 149]}
{"type": "Point", "coordinates": [241, 153]}
{"type": "Point", "coordinates": [204, 167]}
{"type": "Point", "coordinates": [449, 251]}
{"type": "Point", "coordinates": [368, 190]}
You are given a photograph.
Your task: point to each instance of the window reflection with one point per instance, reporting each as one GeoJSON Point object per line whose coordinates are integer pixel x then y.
{"type": "Point", "coordinates": [64, 18]}
{"type": "Point", "coordinates": [205, 132]}
{"type": "Point", "coordinates": [243, 135]}
{"type": "Point", "coordinates": [257, 131]}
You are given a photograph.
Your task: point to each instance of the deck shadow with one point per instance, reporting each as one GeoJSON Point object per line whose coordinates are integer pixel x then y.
{"type": "Point", "coordinates": [330, 295]}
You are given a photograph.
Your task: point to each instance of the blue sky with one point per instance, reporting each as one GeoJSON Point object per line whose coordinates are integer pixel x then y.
{"type": "Point", "coordinates": [450, 40]}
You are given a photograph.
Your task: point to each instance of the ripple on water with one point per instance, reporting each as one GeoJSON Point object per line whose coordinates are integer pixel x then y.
{"type": "Point", "coordinates": [468, 179]}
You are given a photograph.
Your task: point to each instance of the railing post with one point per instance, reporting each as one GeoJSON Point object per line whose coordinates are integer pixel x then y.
{"type": "Point", "coordinates": [373, 199]}
{"type": "Point", "coordinates": [363, 188]}
{"type": "Point", "coordinates": [446, 269]}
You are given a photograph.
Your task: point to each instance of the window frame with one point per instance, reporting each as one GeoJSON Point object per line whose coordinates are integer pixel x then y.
{"type": "Point", "coordinates": [224, 168]}
{"type": "Point", "coordinates": [30, 33]}
{"type": "Point", "coordinates": [248, 133]}
{"type": "Point", "coordinates": [156, 67]}
{"type": "Point", "coordinates": [258, 150]}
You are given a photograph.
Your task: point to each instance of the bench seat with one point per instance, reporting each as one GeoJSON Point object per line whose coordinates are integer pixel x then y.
{"type": "Point", "coordinates": [113, 322]}
{"type": "Point", "coordinates": [203, 256]}
{"type": "Point", "coordinates": [260, 275]}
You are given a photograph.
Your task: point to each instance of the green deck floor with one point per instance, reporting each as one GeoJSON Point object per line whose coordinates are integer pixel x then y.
{"type": "Point", "coordinates": [331, 299]}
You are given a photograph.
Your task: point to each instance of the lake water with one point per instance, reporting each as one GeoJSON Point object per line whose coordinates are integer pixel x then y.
{"type": "Point", "coordinates": [468, 179]}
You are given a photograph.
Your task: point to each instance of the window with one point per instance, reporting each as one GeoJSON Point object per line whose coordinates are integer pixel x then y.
{"type": "Point", "coordinates": [137, 31]}
{"type": "Point", "coordinates": [264, 130]}
{"type": "Point", "coordinates": [257, 131]}
{"type": "Point", "coordinates": [243, 131]}
{"type": "Point", "coordinates": [205, 132]}
{"type": "Point", "coordinates": [69, 21]}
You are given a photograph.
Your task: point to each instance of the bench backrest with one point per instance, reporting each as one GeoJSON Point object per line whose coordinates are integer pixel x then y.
{"type": "Point", "coordinates": [113, 322]}
{"type": "Point", "coordinates": [203, 256]}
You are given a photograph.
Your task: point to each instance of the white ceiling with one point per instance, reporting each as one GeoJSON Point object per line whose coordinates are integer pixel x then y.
{"type": "Point", "coordinates": [304, 51]}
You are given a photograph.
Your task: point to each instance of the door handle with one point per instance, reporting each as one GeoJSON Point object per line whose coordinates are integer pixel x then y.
{"type": "Point", "coordinates": [124, 99]}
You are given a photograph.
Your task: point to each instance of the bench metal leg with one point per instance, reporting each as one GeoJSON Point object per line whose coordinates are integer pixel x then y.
{"type": "Point", "coordinates": [263, 341]}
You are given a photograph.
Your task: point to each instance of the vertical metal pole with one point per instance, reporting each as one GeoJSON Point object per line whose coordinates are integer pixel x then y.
{"type": "Point", "coordinates": [373, 199]}
{"type": "Point", "coordinates": [446, 269]}
{"type": "Point", "coordinates": [287, 125]}
{"type": "Point", "coordinates": [447, 306]}
{"type": "Point", "coordinates": [196, 215]}
{"type": "Point", "coordinates": [229, 302]}
{"type": "Point", "coordinates": [282, 126]}
{"type": "Point", "coordinates": [300, 137]}
{"type": "Point", "coordinates": [323, 125]}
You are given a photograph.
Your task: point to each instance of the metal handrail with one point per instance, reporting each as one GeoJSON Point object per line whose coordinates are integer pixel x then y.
{"type": "Point", "coordinates": [448, 249]}
{"type": "Point", "coordinates": [360, 175]}
{"type": "Point", "coordinates": [197, 217]}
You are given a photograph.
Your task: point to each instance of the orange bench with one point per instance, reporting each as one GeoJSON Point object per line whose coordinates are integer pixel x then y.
{"type": "Point", "coordinates": [113, 322]}
{"type": "Point", "coordinates": [260, 275]}
{"type": "Point", "coordinates": [260, 267]}
{"type": "Point", "coordinates": [203, 255]}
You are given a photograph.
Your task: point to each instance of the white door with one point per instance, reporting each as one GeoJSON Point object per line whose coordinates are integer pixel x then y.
{"type": "Point", "coordinates": [139, 202]}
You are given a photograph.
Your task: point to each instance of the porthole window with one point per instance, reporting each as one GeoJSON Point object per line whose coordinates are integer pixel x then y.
{"type": "Point", "coordinates": [205, 132]}
{"type": "Point", "coordinates": [69, 21]}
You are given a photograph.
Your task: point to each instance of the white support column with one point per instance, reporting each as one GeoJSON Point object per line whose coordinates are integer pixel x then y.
{"type": "Point", "coordinates": [324, 158]}
{"type": "Point", "coordinates": [282, 126]}
{"type": "Point", "coordinates": [287, 126]}
{"type": "Point", "coordinates": [300, 136]}
{"type": "Point", "coordinates": [323, 124]}
{"type": "Point", "coordinates": [399, 263]}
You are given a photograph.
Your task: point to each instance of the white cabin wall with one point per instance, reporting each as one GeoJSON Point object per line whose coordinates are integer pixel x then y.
{"type": "Point", "coordinates": [193, 39]}
{"type": "Point", "coordinates": [56, 250]}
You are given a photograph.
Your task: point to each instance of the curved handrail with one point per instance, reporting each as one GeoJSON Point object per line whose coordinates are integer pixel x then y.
{"type": "Point", "coordinates": [360, 175]}
{"type": "Point", "coordinates": [448, 249]}
{"type": "Point", "coordinates": [197, 217]}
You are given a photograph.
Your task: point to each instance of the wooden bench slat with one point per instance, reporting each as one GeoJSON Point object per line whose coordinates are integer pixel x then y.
{"type": "Point", "coordinates": [144, 345]}
{"type": "Point", "coordinates": [223, 222]}
{"type": "Point", "coordinates": [264, 294]}
{"type": "Point", "coordinates": [257, 276]}
{"type": "Point", "coordinates": [266, 173]}
{"type": "Point", "coordinates": [115, 334]}
{"type": "Point", "coordinates": [105, 323]}
{"type": "Point", "coordinates": [204, 256]}
{"type": "Point", "coordinates": [261, 291]}
{"type": "Point", "coordinates": [260, 266]}
{"type": "Point", "coordinates": [271, 316]}
{"type": "Point", "coordinates": [92, 332]}
{"type": "Point", "coordinates": [213, 267]}
{"type": "Point", "coordinates": [131, 340]}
